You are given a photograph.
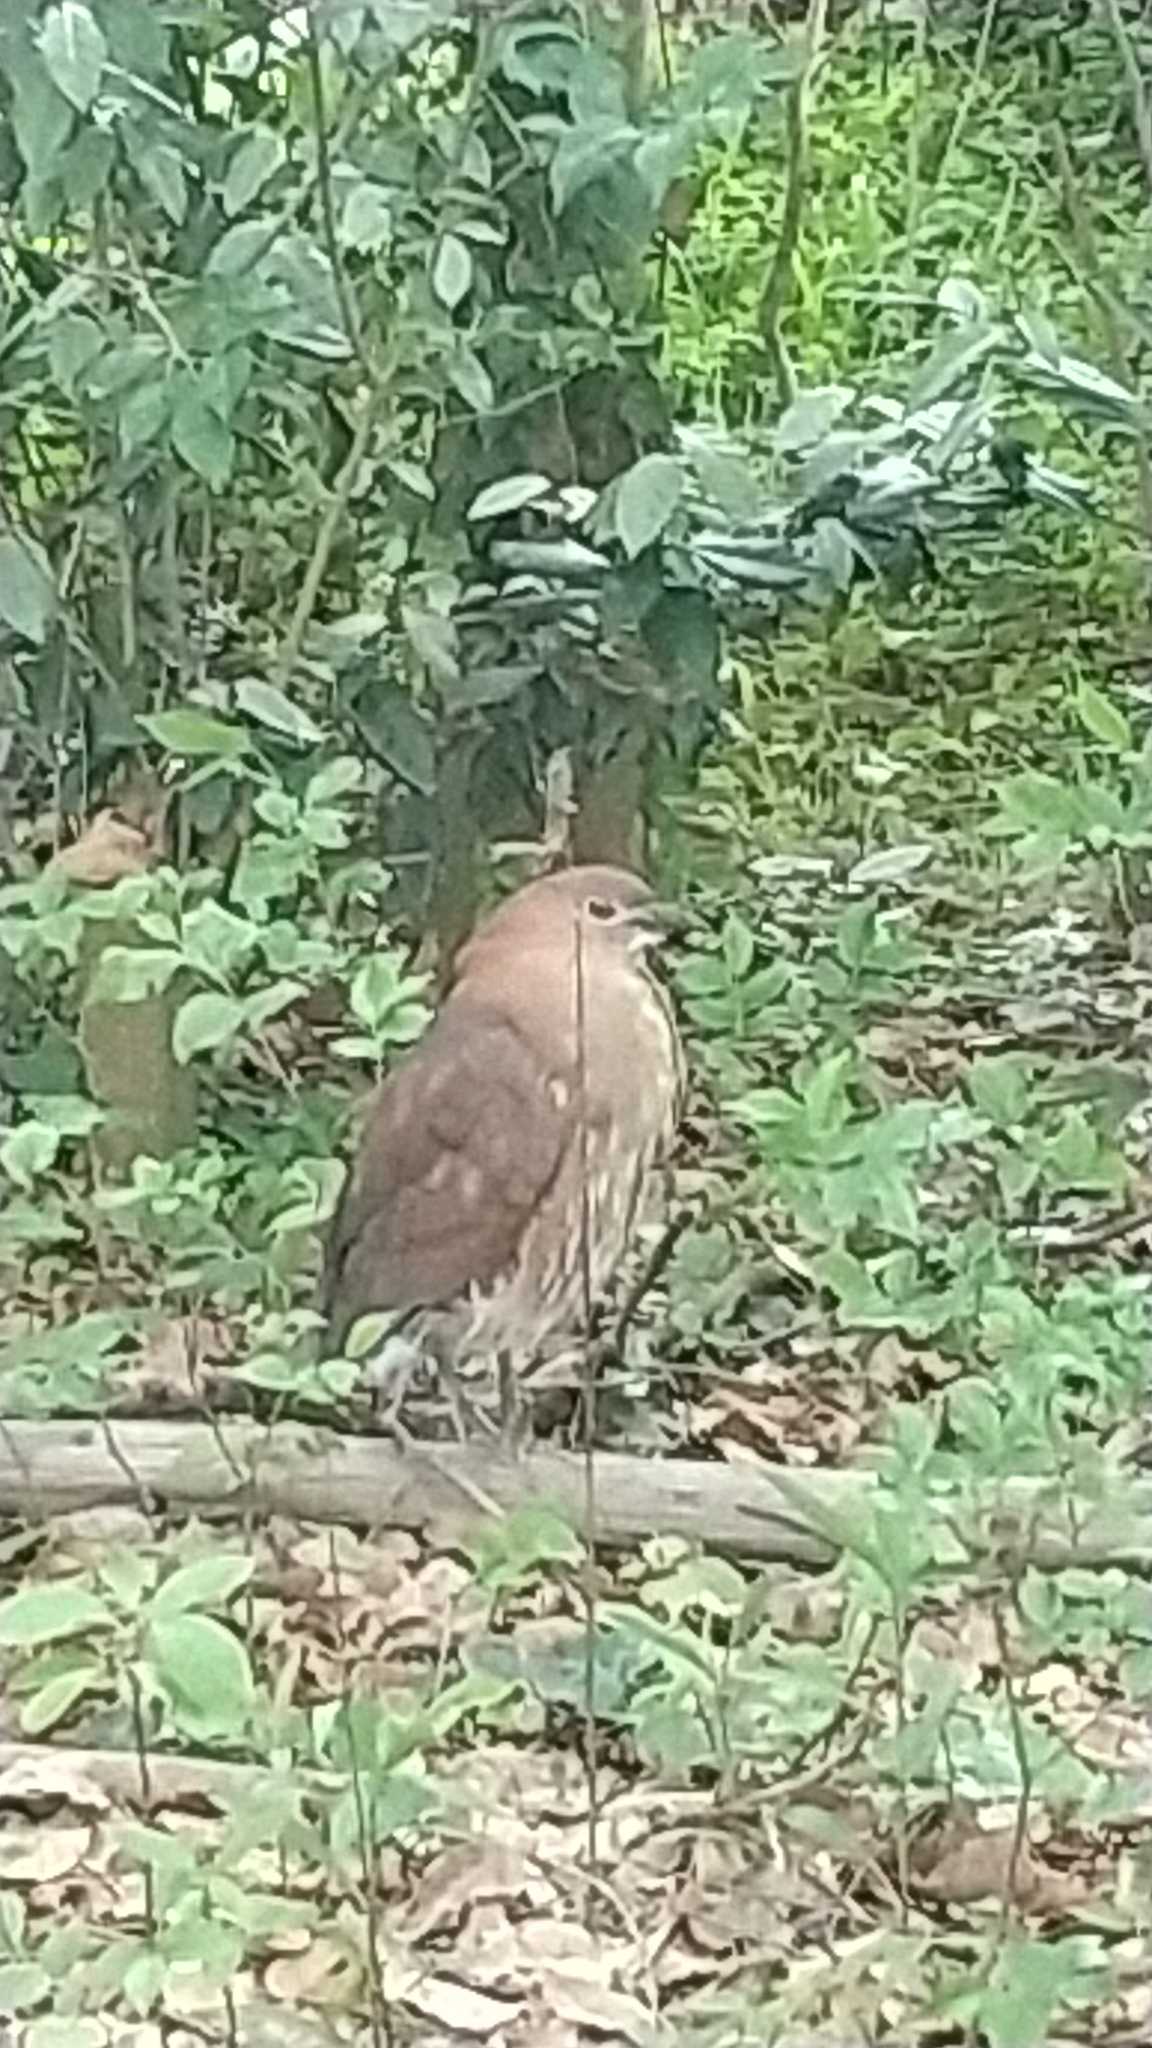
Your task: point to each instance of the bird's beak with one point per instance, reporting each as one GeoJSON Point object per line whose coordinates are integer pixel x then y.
{"type": "Point", "coordinates": [655, 921]}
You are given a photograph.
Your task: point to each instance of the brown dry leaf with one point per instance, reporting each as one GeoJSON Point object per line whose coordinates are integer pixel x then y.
{"type": "Point", "coordinates": [35, 1854]}
{"type": "Point", "coordinates": [323, 1974]}
{"type": "Point", "coordinates": [581, 1996]}
{"type": "Point", "coordinates": [465, 1877]}
{"type": "Point", "coordinates": [108, 850]}
{"type": "Point", "coordinates": [968, 1864]}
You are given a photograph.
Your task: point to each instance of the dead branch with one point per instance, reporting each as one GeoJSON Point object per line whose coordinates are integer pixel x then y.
{"type": "Point", "coordinates": [237, 1468]}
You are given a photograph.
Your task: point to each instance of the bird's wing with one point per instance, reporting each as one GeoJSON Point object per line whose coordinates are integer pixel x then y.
{"type": "Point", "coordinates": [463, 1142]}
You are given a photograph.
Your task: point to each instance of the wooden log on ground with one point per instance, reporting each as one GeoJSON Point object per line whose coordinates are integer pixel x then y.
{"type": "Point", "coordinates": [231, 1468]}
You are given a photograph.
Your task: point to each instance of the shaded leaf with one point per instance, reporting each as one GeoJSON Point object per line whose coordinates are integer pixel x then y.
{"type": "Point", "coordinates": [452, 271]}
{"type": "Point", "coordinates": [270, 706]}
{"type": "Point", "coordinates": [646, 497]}
{"type": "Point", "coordinates": [27, 592]}
{"type": "Point", "coordinates": [195, 732]}
{"type": "Point", "coordinates": [206, 1020]}
{"type": "Point", "coordinates": [250, 166]}
{"type": "Point", "coordinates": [74, 51]}
{"type": "Point", "coordinates": [508, 495]}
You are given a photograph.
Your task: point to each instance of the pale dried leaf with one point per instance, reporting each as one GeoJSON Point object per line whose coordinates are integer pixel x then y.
{"type": "Point", "coordinates": [107, 851]}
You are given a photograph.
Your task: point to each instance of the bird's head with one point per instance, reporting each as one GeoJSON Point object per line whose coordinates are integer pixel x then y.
{"type": "Point", "coordinates": [606, 909]}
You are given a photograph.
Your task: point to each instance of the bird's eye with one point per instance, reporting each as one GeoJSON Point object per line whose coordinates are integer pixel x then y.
{"type": "Point", "coordinates": [601, 909]}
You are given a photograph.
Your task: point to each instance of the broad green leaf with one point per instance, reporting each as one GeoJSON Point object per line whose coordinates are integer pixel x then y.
{"type": "Point", "coordinates": [270, 706]}
{"type": "Point", "coordinates": [467, 375]}
{"type": "Point", "coordinates": [203, 439]}
{"type": "Point", "coordinates": [195, 732]}
{"type": "Point", "coordinates": [28, 1151]}
{"type": "Point", "coordinates": [27, 592]}
{"type": "Point", "coordinates": [1103, 719]}
{"type": "Point", "coordinates": [160, 170]}
{"type": "Point", "coordinates": [208, 1019]}
{"type": "Point", "coordinates": [46, 1614]}
{"type": "Point", "coordinates": [54, 1700]}
{"type": "Point", "coordinates": [203, 1668]}
{"type": "Point", "coordinates": [22, 1985]}
{"type": "Point", "coordinates": [206, 1582]}
{"type": "Point", "coordinates": [42, 119]}
{"type": "Point", "coordinates": [74, 51]}
{"type": "Point", "coordinates": [243, 247]}
{"type": "Point", "coordinates": [810, 417]}
{"type": "Point", "coordinates": [508, 495]}
{"type": "Point", "coordinates": [74, 341]}
{"type": "Point", "coordinates": [951, 360]}
{"type": "Point", "coordinates": [250, 166]}
{"type": "Point", "coordinates": [366, 220]}
{"type": "Point", "coordinates": [452, 271]}
{"type": "Point", "coordinates": [130, 974]}
{"type": "Point", "coordinates": [646, 497]}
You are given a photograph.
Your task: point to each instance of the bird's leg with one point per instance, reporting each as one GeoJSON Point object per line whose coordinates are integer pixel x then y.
{"type": "Point", "coordinates": [467, 1417]}
{"type": "Point", "coordinates": [512, 1408]}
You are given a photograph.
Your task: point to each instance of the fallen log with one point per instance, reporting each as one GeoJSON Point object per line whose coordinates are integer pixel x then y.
{"type": "Point", "coordinates": [233, 1468]}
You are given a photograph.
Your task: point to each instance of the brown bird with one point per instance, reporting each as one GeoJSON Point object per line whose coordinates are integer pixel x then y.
{"type": "Point", "coordinates": [502, 1165]}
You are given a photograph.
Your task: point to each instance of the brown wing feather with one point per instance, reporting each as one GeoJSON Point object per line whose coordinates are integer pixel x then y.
{"type": "Point", "coordinates": [463, 1143]}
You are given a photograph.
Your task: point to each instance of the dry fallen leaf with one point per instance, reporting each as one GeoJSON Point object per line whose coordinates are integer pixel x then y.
{"type": "Point", "coordinates": [105, 852]}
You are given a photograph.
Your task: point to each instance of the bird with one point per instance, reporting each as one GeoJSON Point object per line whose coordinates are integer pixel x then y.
{"type": "Point", "coordinates": [502, 1165]}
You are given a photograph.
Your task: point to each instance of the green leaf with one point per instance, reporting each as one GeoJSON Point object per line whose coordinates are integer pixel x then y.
{"type": "Point", "coordinates": [22, 1985]}
{"type": "Point", "coordinates": [27, 592]}
{"type": "Point", "coordinates": [74, 341]}
{"type": "Point", "coordinates": [207, 1020]}
{"type": "Point", "coordinates": [74, 51]}
{"type": "Point", "coordinates": [195, 732]}
{"type": "Point", "coordinates": [250, 166]}
{"type": "Point", "coordinates": [160, 170]}
{"type": "Point", "coordinates": [270, 706]}
{"type": "Point", "coordinates": [131, 974]}
{"type": "Point", "coordinates": [646, 497]}
{"type": "Point", "coordinates": [200, 435]}
{"type": "Point", "coordinates": [248, 244]}
{"type": "Point", "coordinates": [53, 1701]}
{"type": "Point", "coordinates": [46, 1614]}
{"type": "Point", "coordinates": [508, 495]}
{"type": "Point", "coordinates": [451, 271]}
{"type": "Point", "coordinates": [366, 221]}
{"type": "Point", "coordinates": [28, 1151]}
{"type": "Point", "coordinates": [42, 118]}
{"type": "Point", "coordinates": [207, 1582]}
{"type": "Point", "coordinates": [204, 1670]}
{"type": "Point", "coordinates": [1103, 719]}
{"type": "Point", "coordinates": [810, 417]}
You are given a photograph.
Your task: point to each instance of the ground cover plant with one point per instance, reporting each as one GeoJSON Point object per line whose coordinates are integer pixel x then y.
{"type": "Point", "coordinates": [882, 1778]}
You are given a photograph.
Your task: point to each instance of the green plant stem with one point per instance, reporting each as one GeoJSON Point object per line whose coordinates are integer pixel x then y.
{"type": "Point", "coordinates": [778, 287]}
{"type": "Point", "coordinates": [1141, 105]}
{"type": "Point", "coordinates": [979, 64]}
{"type": "Point", "coordinates": [1088, 261]}
{"type": "Point", "coordinates": [334, 513]}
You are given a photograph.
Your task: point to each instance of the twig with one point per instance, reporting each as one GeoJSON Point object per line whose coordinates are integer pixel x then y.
{"type": "Point", "coordinates": [324, 186]}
